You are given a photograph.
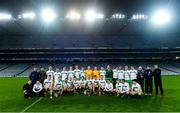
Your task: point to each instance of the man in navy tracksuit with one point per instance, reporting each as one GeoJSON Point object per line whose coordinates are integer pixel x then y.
{"type": "Point", "coordinates": [34, 76]}
{"type": "Point", "coordinates": [157, 80]}
{"type": "Point", "coordinates": [140, 77]}
{"type": "Point", "coordinates": [148, 74]}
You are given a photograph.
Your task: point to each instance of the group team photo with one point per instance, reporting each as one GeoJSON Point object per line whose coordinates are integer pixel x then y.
{"type": "Point", "coordinates": [126, 82]}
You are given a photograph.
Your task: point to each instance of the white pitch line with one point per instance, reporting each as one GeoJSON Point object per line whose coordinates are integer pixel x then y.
{"type": "Point", "coordinates": [31, 105]}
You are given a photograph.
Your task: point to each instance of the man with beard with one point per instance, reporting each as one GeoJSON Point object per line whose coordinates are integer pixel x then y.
{"type": "Point", "coordinates": [140, 77]}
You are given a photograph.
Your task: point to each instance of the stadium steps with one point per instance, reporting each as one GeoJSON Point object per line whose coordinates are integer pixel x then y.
{"type": "Point", "coordinates": [175, 65]}
{"type": "Point", "coordinates": [169, 69]}
{"type": "Point", "coordinates": [4, 68]}
{"type": "Point", "coordinates": [24, 70]}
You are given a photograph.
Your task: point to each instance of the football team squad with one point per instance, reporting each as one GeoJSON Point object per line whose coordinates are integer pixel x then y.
{"type": "Point", "coordinates": [123, 82]}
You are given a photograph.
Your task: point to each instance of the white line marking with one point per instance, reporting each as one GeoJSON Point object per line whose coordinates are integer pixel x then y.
{"type": "Point", "coordinates": [31, 105]}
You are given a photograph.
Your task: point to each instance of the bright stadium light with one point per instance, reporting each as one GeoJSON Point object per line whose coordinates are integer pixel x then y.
{"type": "Point", "coordinates": [28, 15]}
{"type": "Point", "coordinates": [100, 16]}
{"type": "Point", "coordinates": [5, 16]}
{"type": "Point", "coordinates": [161, 17]}
{"type": "Point", "coordinates": [73, 15]}
{"type": "Point", "coordinates": [48, 15]}
{"type": "Point", "coordinates": [90, 15]}
{"type": "Point", "coordinates": [139, 17]}
{"type": "Point", "coordinates": [118, 16]}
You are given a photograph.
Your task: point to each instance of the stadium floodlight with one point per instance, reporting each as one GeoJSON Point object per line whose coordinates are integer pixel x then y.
{"type": "Point", "coordinates": [90, 15]}
{"type": "Point", "coordinates": [161, 17]}
{"type": "Point", "coordinates": [73, 15]}
{"type": "Point", "coordinates": [5, 16]}
{"type": "Point", "coordinates": [48, 15]}
{"type": "Point", "coordinates": [100, 16]}
{"type": "Point", "coordinates": [139, 17]}
{"type": "Point", "coordinates": [28, 15]}
{"type": "Point", "coordinates": [118, 16]}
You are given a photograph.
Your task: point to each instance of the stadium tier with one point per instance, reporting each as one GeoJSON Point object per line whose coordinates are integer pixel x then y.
{"type": "Point", "coordinates": [23, 70]}
{"type": "Point", "coordinates": [83, 41]}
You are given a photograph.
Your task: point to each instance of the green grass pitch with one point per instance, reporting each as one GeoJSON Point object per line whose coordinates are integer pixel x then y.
{"type": "Point", "coordinates": [11, 100]}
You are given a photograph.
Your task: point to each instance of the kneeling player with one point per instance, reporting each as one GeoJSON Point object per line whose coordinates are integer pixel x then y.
{"type": "Point", "coordinates": [38, 89]}
{"type": "Point", "coordinates": [58, 87]}
{"type": "Point", "coordinates": [118, 87]}
{"type": "Point", "coordinates": [136, 89]}
{"type": "Point", "coordinates": [82, 85]}
{"type": "Point", "coordinates": [102, 84]}
{"type": "Point", "coordinates": [48, 86]}
{"type": "Point", "coordinates": [95, 85]}
{"type": "Point", "coordinates": [124, 90]}
{"type": "Point", "coordinates": [65, 87]}
{"type": "Point", "coordinates": [89, 86]}
{"type": "Point", "coordinates": [109, 87]}
{"type": "Point", "coordinates": [70, 86]}
{"type": "Point", "coordinates": [76, 86]}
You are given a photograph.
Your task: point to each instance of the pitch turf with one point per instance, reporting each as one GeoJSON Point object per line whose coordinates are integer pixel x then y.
{"type": "Point", "coordinates": [11, 100]}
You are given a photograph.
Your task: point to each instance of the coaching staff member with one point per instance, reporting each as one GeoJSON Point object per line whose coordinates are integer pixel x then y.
{"type": "Point", "coordinates": [148, 74]}
{"type": "Point", "coordinates": [42, 75]}
{"type": "Point", "coordinates": [34, 76]}
{"type": "Point", "coordinates": [140, 77]}
{"type": "Point", "coordinates": [157, 80]}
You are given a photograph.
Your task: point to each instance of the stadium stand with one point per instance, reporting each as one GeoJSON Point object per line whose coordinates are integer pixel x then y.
{"type": "Point", "coordinates": [24, 69]}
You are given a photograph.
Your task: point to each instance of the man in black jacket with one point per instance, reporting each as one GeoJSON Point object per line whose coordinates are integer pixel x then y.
{"type": "Point", "coordinates": [42, 75]}
{"type": "Point", "coordinates": [140, 77]}
{"type": "Point", "coordinates": [157, 80]}
{"type": "Point", "coordinates": [148, 74]}
{"type": "Point", "coordinates": [27, 90]}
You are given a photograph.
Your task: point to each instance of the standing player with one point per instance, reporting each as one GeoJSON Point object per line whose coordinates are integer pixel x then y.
{"type": "Point", "coordinates": [71, 73]}
{"type": "Point", "coordinates": [82, 72]}
{"type": "Point", "coordinates": [77, 72]}
{"type": "Point", "coordinates": [57, 74]}
{"type": "Point", "coordinates": [136, 89]}
{"type": "Point", "coordinates": [102, 83]}
{"type": "Point", "coordinates": [89, 73]}
{"type": "Point", "coordinates": [127, 75]}
{"type": "Point", "coordinates": [64, 74]}
{"type": "Point", "coordinates": [58, 87]}
{"type": "Point", "coordinates": [133, 73]}
{"type": "Point", "coordinates": [120, 73]}
{"type": "Point", "coordinates": [115, 76]}
{"type": "Point", "coordinates": [109, 87]}
{"type": "Point", "coordinates": [96, 73]}
{"type": "Point", "coordinates": [109, 72]}
{"type": "Point", "coordinates": [103, 72]}
{"type": "Point", "coordinates": [48, 85]}
{"type": "Point", "coordinates": [50, 72]}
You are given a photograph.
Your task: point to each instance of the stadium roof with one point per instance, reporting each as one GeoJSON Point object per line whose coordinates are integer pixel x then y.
{"type": "Point", "coordinates": [106, 26]}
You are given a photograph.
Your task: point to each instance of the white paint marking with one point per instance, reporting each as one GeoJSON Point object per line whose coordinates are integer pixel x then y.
{"type": "Point", "coordinates": [31, 105]}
